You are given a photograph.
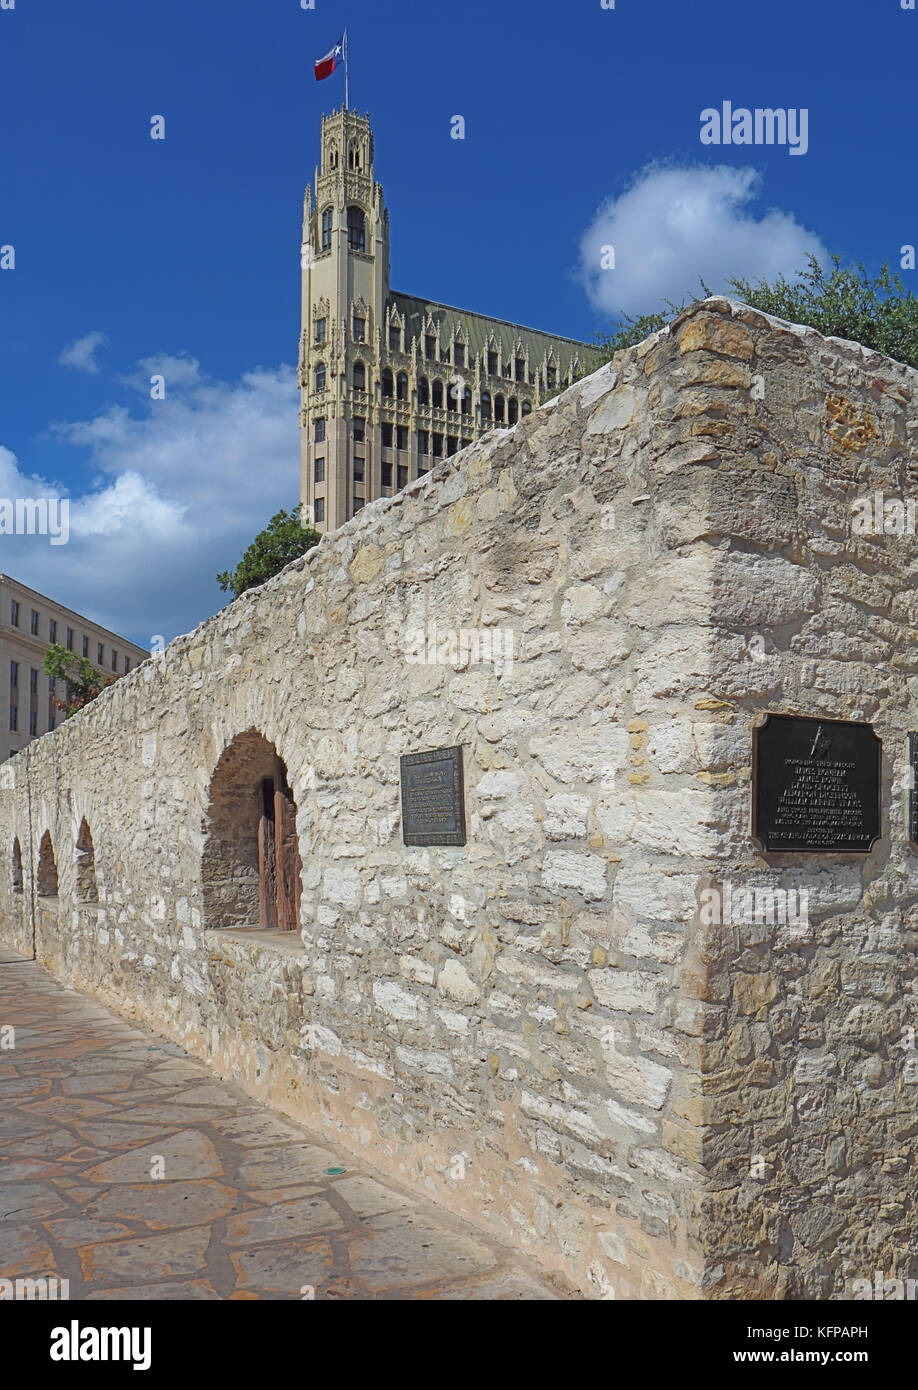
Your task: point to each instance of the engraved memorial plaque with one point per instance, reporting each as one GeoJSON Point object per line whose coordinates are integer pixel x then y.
{"type": "Point", "coordinates": [815, 785]}
{"type": "Point", "coordinates": [433, 798]}
{"type": "Point", "coordinates": [913, 788]}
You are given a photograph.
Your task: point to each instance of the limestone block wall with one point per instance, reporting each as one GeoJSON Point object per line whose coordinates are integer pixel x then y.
{"type": "Point", "coordinates": [542, 1029]}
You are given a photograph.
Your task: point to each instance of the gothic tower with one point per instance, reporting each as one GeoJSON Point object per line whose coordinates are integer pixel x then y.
{"type": "Point", "coordinates": [345, 285]}
{"type": "Point", "coordinates": [390, 383]}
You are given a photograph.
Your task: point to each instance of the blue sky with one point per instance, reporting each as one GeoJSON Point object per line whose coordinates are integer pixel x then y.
{"type": "Point", "coordinates": [582, 130]}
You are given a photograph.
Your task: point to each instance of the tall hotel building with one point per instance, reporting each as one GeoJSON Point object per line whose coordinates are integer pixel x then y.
{"type": "Point", "coordinates": [390, 383]}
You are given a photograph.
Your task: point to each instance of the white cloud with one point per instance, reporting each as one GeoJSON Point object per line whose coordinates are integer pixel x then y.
{"type": "Point", "coordinates": [181, 486]}
{"type": "Point", "coordinates": [673, 225]}
{"type": "Point", "coordinates": [80, 354]}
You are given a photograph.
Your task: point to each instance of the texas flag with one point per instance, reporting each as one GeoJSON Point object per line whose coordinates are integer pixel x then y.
{"type": "Point", "coordinates": [326, 66]}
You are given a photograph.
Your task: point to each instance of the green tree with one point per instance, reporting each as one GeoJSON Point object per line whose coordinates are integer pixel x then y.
{"type": "Point", "coordinates": [285, 538]}
{"type": "Point", "coordinates": [841, 303]}
{"type": "Point", "coordinates": [83, 680]}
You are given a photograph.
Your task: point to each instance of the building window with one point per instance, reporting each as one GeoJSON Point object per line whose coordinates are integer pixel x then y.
{"type": "Point", "coordinates": [438, 395]}
{"type": "Point", "coordinates": [385, 474]}
{"type": "Point", "coordinates": [114, 659]}
{"type": "Point", "coordinates": [52, 631]}
{"type": "Point", "coordinates": [318, 430]}
{"type": "Point", "coordinates": [513, 410]}
{"type": "Point", "coordinates": [33, 722]}
{"type": "Point", "coordinates": [50, 720]}
{"type": "Point", "coordinates": [520, 369]}
{"type": "Point", "coordinates": [358, 470]}
{"type": "Point", "coordinates": [360, 377]}
{"type": "Point", "coordinates": [499, 409]}
{"type": "Point", "coordinates": [127, 664]}
{"type": "Point", "coordinates": [14, 673]}
{"type": "Point", "coordinates": [423, 391]}
{"type": "Point", "coordinates": [326, 229]}
{"type": "Point", "coordinates": [86, 646]}
{"type": "Point", "coordinates": [320, 376]}
{"type": "Point", "coordinates": [33, 681]}
{"type": "Point", "coordinates": [360, 330]}
{"type": "Point", "coordinates": [430, 347]}
{"type": "Point", "coordinates": [551, 376]}
{"type": "Point", "coordinates": [14, 718]}
{"type": "Point", "coordinates": [358, 504]}
{"type": "Point", "coordinates": [319, 510]}
{"type": "Point", "coordinates": [423, 442]}
{"type": "Point", "coordinates": [467, 401]}
{"type": "Point", "coordinates": [34, 624]}
{"type": "Point", "coordinates": [388, 384]}
{"type": "Point", "coordinates": [100, 652]}
{"type": "Point", "coordinates": [459, 354]}
{"type": "Point", "coordinates": [14, 613]}
{"type": "Point", "coordinates": [318, 470]}
{"type": "Point", "coordinates": [70, 639]}
{"type": "Point", "coordinates": [401, 387]}
{"type": "Point", "coordinates": [492, 364]}
{"type": "Point", "coordinates": [485, 405]}
{"type": "Point", "coordinates": [359, 429]}
{"type": "Point", "coordinates": [438, 446]}
{"type": "Point", "coordinates": [401, 436]}
{"type": "Point", "coordinates": [402, 472]}
{"type": "Point", "coordinates": [386, 435]}
{"type": "Point", "coordinates": [527, 408]}
{"type": "Point", "coordinates": [356, 230]}
{"type": "Point", "coordinates": [321, 325]}
{"type": "Point", "coordinates": [395, 339]}
{"type": "Point", "coordinates": [452, 444]}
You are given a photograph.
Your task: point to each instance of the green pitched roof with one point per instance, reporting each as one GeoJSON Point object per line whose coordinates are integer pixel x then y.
{"type": "Point", "coordinates": [478, 330]}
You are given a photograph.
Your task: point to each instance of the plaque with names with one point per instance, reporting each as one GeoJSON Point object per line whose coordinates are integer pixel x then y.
{"type": "Point", "coordinates": [913, 788]}
{"type": "Point", "coordinates": [815, 785]}
{"type": "Point", "coordinates": [433, 797]}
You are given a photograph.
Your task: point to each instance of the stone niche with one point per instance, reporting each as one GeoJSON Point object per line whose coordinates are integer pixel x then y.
{"type": "Point", "coordinates": [570, 1029]}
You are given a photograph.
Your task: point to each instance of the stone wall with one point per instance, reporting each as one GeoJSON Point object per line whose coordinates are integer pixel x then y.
{"type": "Point", "coordinates": [541, 1029]}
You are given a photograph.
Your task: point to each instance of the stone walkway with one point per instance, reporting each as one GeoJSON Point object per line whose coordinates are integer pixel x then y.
{"type": "Point", "coordinates": [248, 1205]}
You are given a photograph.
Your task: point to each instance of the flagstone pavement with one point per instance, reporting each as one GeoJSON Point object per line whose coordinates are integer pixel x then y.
{"type": "Point", "coordinates": [250, 1205]}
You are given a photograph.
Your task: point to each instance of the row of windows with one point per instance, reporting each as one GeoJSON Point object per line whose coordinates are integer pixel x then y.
{"type": "Point", "coordinates": [512, 371]}
{"type": "Point", "coordinates": [396, 386]}
{"type": "Point", "coordinates": [505, 412]}
{"type": "Point", "coordinates": [33, 679]}
{"type": "Point", "coordinates": [52, 637]}
{"type": "Point", "coordinates": [356, 229]}
{"type": "Point", "coordinates": [33, 720]}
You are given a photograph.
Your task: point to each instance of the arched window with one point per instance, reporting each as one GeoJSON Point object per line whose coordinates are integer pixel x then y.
{"type": "Point", "coordinates": [467, 401]}
{"type": "Point", "coordinates": [320, 376]}
{"type": "Point", "coordinates": [486, 405]}
{"type": "Point", "coordinates": [47, 868]}
{"type": "Point", "coordinates": [326, 229]}
{"type": "Point", "coordinates": [401, 387]}
{"type": "Point", "coordinates": [251, 872]}
{"type": "Point", "coordinates": [438, 394]}
{"type": "Point", "coordinates": [360, 377]}
{"type": "Point", "coordinates": [423, 391]}
{"type": "Point", "coordinates": [388, 388]}
{"type": "Point", "coordinates": [513, 410]}
{"type": "Point", "coordinates": [333, 156]}
{"type": "Point", "coordinates": [527, 407]}
{"type": "Point", "coordinates": [17, 866]}
{"type": "Point", "coordinates": [86, 866]}
{"type": "Point", "coordinates": [356, 229]}
{"type": "Point", "coordinates": [499, 410]}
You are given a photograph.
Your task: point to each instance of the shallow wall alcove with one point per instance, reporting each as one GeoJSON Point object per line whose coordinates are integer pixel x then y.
{"type": "Point", "coordinates": [251, 872]}
{"type": "Point", "coordinates": [47, 868]}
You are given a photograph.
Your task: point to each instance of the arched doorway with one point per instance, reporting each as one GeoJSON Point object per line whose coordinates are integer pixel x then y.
{"type": "Point", "coordinates": [251, 870]}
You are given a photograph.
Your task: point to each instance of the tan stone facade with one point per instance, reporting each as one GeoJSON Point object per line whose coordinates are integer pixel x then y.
{"type": "Point", "coordinates": [389, 383]}
{"type": "Point", "coordinates": [30, 623]}
{"type": "Point", "coordinates": [540, 1029]}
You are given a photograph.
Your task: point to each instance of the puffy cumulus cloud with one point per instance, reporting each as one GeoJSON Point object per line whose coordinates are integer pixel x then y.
{"type": "Point", "coordinates": [81, 354]}
{"type": "Point", "coordinates": [180, 486]}
{"type": "Point", "coordinates": [674, 225]}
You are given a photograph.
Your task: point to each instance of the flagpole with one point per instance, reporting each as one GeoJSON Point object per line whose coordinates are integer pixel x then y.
{"type": "Point", "coordinates": [345, 72]}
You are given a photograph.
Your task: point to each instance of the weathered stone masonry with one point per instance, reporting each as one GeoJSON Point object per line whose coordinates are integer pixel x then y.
{"type": "Point", "coordinates": [538, 1029]}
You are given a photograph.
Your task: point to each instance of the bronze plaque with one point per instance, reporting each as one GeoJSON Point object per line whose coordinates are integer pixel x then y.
{"type": "Point", "coordinates": [913, 788]}
{"type": "Point", "coordinates": [433, 798]}
{"type": "Point", "coordinates": [815, 785]}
